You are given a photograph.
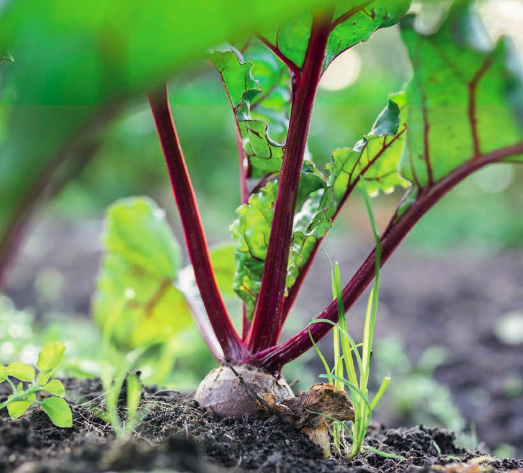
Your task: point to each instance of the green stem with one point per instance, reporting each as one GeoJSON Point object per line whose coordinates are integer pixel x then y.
{"type": "Point", "coordinates": [20, 396]}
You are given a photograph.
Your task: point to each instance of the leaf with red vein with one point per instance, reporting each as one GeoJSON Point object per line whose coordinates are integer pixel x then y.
{"type": "Point", "coordinates": [260, 104]}
{"type": "Point", "coordinates": [374, 158]}
{"type": "Point", "coordinates": [354, 21]}
{"type": "Point", "coordinates": [459, 100]}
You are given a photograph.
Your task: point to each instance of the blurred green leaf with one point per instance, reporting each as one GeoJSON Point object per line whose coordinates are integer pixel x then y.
{"type": "Point", "coordinates": [58, 411]}
{"type": "Point", "coordinates": [137, 230]}
{"type": "Point", "coordinates": [464, 99]}
{"type": "Point", "coordinates": [222, 260]}
{"type": "Point", "coordinates": [50, 357]}
{"type": "Point", "coordinates": [136, 282]}
{"type": "Point", "coordinates": [78, 63]}
{"type": "Point", "coordinates": [21, 371]}
{"type": "Point", "coordinates": [3, 373]}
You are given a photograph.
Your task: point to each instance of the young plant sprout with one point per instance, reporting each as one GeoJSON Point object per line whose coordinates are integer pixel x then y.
{"type": "Point", "coordinates": [455, 117]}
{"type": "Point", "coordinates": [122, 386]}
{"type": "Point", "coordinates": [347, 358]}
{"type": "Point", "coordinates": [23, 398]}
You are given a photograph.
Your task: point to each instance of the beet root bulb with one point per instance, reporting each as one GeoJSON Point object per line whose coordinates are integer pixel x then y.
{"type": "Point", "coordinates": [223, 392]}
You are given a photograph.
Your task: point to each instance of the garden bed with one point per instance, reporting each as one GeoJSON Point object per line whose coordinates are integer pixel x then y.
{"type": "Point", "coordinates": [178, 436]}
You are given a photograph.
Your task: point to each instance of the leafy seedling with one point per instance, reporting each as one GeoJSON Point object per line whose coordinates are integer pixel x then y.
{"type": "Point", "coordinates": [22, 398]}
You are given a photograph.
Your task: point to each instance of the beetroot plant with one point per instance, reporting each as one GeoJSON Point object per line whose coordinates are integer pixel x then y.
{"type": "Point", "coordinates": [458, 114]}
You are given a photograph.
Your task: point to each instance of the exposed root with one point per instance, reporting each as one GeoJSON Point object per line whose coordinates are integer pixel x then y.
{"type": "Point", "coordinates": [231, 393]}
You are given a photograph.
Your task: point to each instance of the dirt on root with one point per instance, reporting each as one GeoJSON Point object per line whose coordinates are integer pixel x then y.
{"type": "Point", "coordinates": [176, 435]}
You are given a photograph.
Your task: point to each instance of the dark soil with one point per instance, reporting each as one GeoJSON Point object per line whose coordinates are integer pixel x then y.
{"type": "Point", "coordinates": [178, 436]}
{"type": "Point", "coordinates": [453, 300]}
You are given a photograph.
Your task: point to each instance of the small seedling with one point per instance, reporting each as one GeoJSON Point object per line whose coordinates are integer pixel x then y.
{"type": "Point", "coordinates": [122, 387]}
{"type": "Point", "coordinates": [55, 406]}
{"type": "Point", "coordinates": [347, 358]}
{"type": "Point", "coordinates": [122, 403]}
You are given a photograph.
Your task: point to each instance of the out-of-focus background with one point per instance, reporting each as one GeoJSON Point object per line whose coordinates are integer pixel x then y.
{"type": "Point", "coordinates": [450, 322]}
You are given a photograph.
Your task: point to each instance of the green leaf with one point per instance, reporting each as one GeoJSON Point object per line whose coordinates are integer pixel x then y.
{"type": "Point", "coordinates": [69, 80]}
{"type": "Point", "coordinates": [251, 233]}
{"type": "Point", "coordinates": [272, 104]}
{"type": "Point", "coordinates": [373, 159]}
{"type": "Point", "coordinates": [136, 229]}
{"type": "Point", "coordinates": [3, 373]}
{"type": "Point", "coordinates": [50, 357]}
{"type": "Point", "coordinates": [236, 76]}
{"type": "Point", "coordinates": [462, 99]}
{"type": "Point", "coordinates": [265, 155]}
{"type": "Point", "coordinates": [222, 259]}
{"type": "Point", "coordinates": [354, 21]}
{"type": "Point", "coordinates": [289, 38]}
{"type": "Point", "coordinates": [58, 411]}
{"type": "Point", "coordinates": [21, 371]}
{"type": "Point", "coordinates": [18, 408]}
{"type": "Point", "coordinates": [136, 282]}
{"type": "Point", "coordinates": [55, 387]}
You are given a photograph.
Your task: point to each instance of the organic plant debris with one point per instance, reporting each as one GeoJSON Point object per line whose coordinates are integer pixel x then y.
{"type": "Point", "coordinates": [177, 435]}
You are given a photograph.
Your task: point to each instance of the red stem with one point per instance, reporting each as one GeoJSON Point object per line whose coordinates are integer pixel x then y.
{"type": "Point", "coordinates": [274, 358]}
{"type": "Point", "coordinates": [233, 347]}
{"type": "Point", "coordinates": [267, 319]}
{"type": "Point", "coordinates": [291, 65]}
